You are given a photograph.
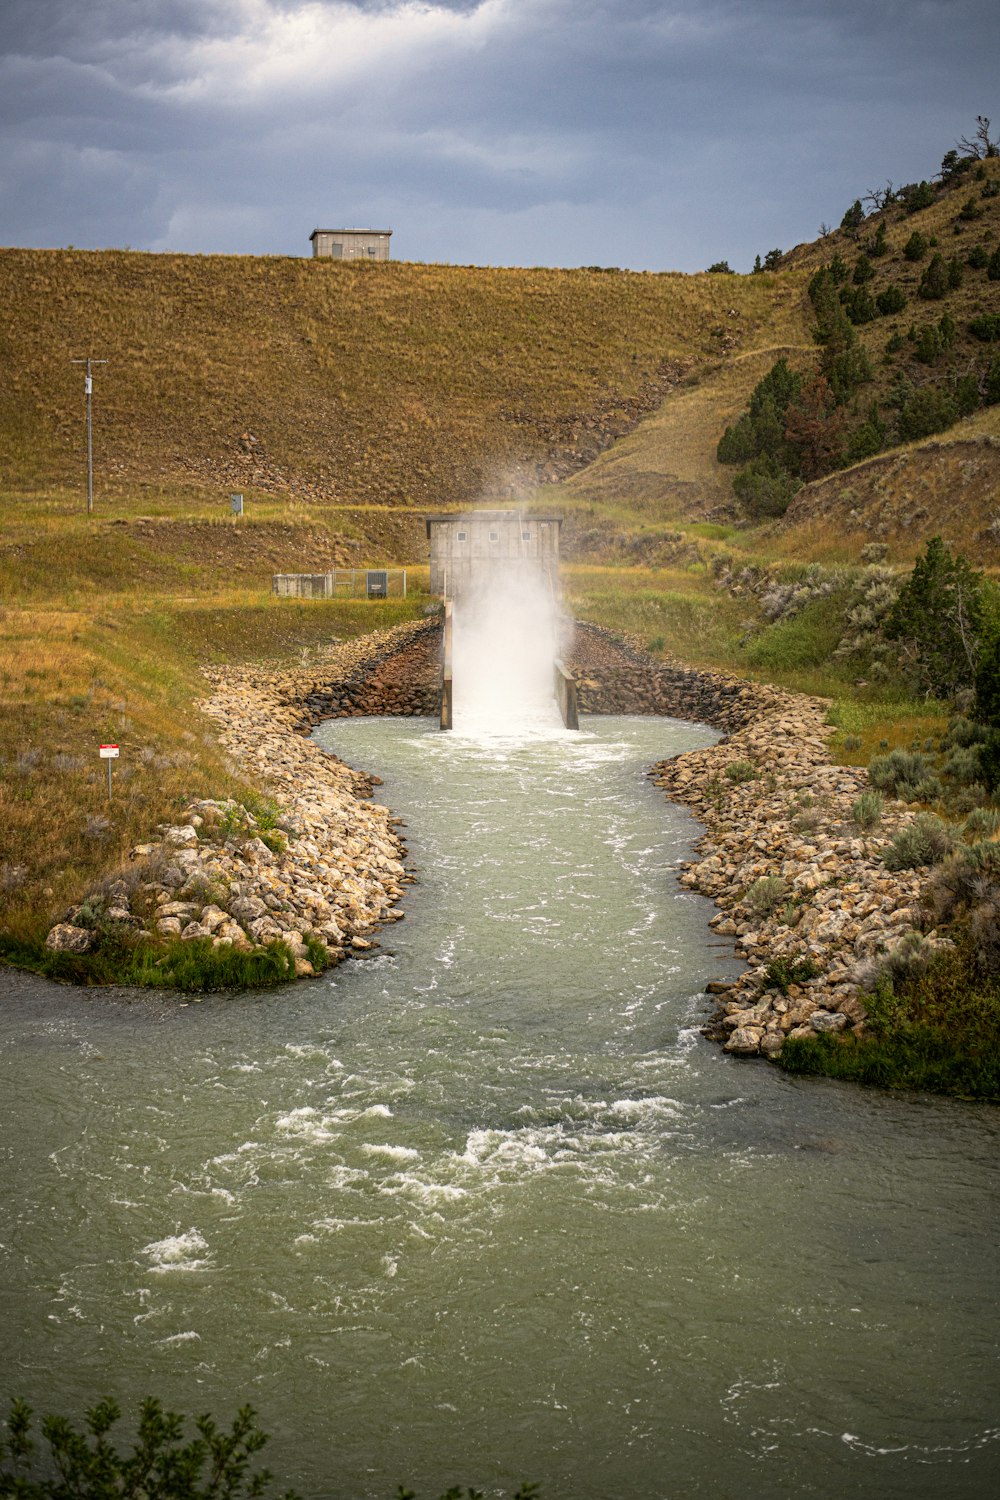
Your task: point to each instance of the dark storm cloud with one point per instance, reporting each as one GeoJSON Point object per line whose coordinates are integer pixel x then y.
{"type": "Point", "coordinates": [635, 133]}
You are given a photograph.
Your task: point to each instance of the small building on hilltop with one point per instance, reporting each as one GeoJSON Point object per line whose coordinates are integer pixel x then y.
{"type": "Point", "coordinates": [485, 545]}
{"type": "Point", "coordinates": [351, 244]}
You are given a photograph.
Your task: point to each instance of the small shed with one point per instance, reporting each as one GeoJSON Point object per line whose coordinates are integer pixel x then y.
{"type": "Point", "coordinates": [351, 244]}
{"type": "Point", "coordinates": [483, 545]}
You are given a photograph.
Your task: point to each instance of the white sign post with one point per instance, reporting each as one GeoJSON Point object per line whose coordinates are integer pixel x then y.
{"type": "Point", "coordinates": [109, 753]}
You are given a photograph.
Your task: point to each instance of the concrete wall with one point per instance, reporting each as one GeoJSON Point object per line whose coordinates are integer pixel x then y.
{"type": "Point", "coordinates": [351, 244]}
{"type": "Point", "coordinates": [485, 544]}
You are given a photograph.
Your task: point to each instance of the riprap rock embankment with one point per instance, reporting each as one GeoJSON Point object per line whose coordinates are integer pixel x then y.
{"type": "Point", "coordinates": [323, 868]}
{"type": "Point", "coordinates": [803, 891]}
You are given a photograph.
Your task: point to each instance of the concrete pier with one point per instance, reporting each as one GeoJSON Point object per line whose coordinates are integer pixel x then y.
{"type": "Point", "coordinates": [565, 690]}
{"type": "Point", "coordinates": [447, 704]}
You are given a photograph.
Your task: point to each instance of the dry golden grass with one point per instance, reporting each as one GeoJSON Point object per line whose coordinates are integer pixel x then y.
{"type": "Point", "coordinates": [666, 468]}
{"type": "Point", "coordinates": [947, 485]}
{"type": "Point", "coordinates": [406, 384]}
{"type": "Point", "coordinates": [125, 671]}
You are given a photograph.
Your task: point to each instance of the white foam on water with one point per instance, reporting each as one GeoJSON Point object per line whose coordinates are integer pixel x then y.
{"type": "Point", "coordinates": [306, 1124]}
{"type": "Point", "coordinates": [178, 1252]}
{"type": "Point", "coordinates": [391, 1153]}
{"type": "Point", "coordinates": [428, 1194]}
{"type": "Point", "coordinates": [190, 1337]}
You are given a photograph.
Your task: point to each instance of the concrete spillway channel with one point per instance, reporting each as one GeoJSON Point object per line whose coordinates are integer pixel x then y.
{"type": "Point", "coordinates": [564, 683]}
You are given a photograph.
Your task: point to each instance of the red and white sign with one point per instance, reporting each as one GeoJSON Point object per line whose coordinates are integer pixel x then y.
{"type": "Point", "coordinates": [109, 752]}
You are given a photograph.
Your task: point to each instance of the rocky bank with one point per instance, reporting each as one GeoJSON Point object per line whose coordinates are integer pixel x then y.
{"type": "Point", "coordinates": [322, 867]}
{"type": "Point", "coordinates": [802, 890]}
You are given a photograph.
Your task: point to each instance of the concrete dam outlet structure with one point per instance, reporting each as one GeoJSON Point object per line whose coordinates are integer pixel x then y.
{"type": "Point", "coordinates": [503, 628]}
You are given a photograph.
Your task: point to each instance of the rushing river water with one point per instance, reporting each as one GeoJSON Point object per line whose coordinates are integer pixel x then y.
{"type": "Point", "coordinates": [487, 1207]}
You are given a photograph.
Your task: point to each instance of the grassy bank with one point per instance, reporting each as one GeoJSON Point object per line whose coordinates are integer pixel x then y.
{"type": "Point", "coordinates": [938, 1032]}
{"type": "Point", "coordinates": [125, 670]}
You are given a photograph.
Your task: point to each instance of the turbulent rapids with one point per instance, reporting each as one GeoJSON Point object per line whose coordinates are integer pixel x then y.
{"type": "Point", "coordinates": [487, 1207]}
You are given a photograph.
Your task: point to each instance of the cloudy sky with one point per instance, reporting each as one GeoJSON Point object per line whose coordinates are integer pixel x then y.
{"type": "Point", "coordinates": [655, 134]}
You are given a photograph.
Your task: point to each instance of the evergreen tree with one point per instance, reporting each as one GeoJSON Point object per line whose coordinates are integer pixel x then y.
{"type": "Point", "coordinates": [854, 217]}
{"type": "Point", "coordinates": [916, 246]}
{"type": "Point", "coordinates": [934, 281]}
{"type": "Point", "coordinates": [863, 270]}
{"type": "Point", "coordinates": [860, 307]}
{"type": "Point", "coordinates": [966, 394]}
{"type": "Point", "coordinates": [993, 268]}
{"type": "Point", "coordinates": [939, 617]}
{"type": "Point", "coordinates": [878, 245]}
{"type": "Point", "coordinates": [814, 426]}
{"type": "Point", "coordinates": [847, 369]}
{"type": "Point", "coordinates": [928, 410]}
{"type": "Point", "coordinates": [928, 347]}
{"type": "Point", "coordinates": [891, 300]}
{"type": "Point", "coordinates": [869, 438]}
{"type": "Point", "coordinates": [991, 395]}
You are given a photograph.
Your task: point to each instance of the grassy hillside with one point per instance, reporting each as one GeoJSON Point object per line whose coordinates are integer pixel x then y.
{"type": "Point", "coordinates": [341, 382]}
{"type": "Point", "coordinates": [343, 400]}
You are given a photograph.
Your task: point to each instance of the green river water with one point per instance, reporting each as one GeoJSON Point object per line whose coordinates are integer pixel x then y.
{"type": "Point", "coordinates": [487, 1207]}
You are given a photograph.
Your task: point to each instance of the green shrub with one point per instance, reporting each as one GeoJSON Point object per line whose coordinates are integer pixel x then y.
{"type": "Point", "coordinates": [781, 973]}
{"type": "Point", "coordinates": [993, 267]}
{"type": "Point", "coordinates": [899, 768]}
{"type": "Point", "coordinates": [766, 895]}
{"type": "Point", "coordinates": [982, 823]}
{"type": "Point", "coordinates": [916, 246]}
{"type": "Point", "coordinates": [986, 328]}
{"type": "Point", "coordinates": [891, 300]}
{"type": "Point", "coordinates": [978, 257]}
{"type": "Point", "coordinates": [765, 488]}
{"type": "Point", "coordinates": [926, 841]}
{"type": "Point", "coordinates": [86, 1465]}
{"type": "Point", "coordinates": [741, 770]}
{"type": "Point", "coordinates": [867, 810]}
{"type": "Point", "coordinates": [934, 281]}
{"type": "Point", "coordinates": [161, 1465]}
{"type": "Point", "coordinates": [962, 765]}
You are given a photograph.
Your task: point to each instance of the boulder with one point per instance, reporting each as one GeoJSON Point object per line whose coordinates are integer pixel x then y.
{"type": "Point", "coordinates": [744, 1042]}
{"type": "Point", "coordinates": [827, 1020]}
{"type": "Point", "coordinates": [65, 938]}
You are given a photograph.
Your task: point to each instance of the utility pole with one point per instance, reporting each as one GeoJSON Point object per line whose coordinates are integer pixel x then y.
{"type": "Point", "coordinates": [88, 390]}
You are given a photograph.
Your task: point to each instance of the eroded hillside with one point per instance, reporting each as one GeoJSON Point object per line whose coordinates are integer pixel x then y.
{"type": "Point", "coordinates": [341, 382]}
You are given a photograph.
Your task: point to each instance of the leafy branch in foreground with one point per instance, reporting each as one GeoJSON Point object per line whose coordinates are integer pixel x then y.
{"type": "Point", "coordinates": [85, 1465]}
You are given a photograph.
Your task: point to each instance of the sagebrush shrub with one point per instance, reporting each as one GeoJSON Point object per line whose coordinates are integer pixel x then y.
{"type": "Point", "coordinates": [766, 895]}
{"type": "Point", "coordinates": [900, 768]}
{"type": "Point", "coordinates": [867, 810]}
{"type": "Point", "coordinates": [926, 841]}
